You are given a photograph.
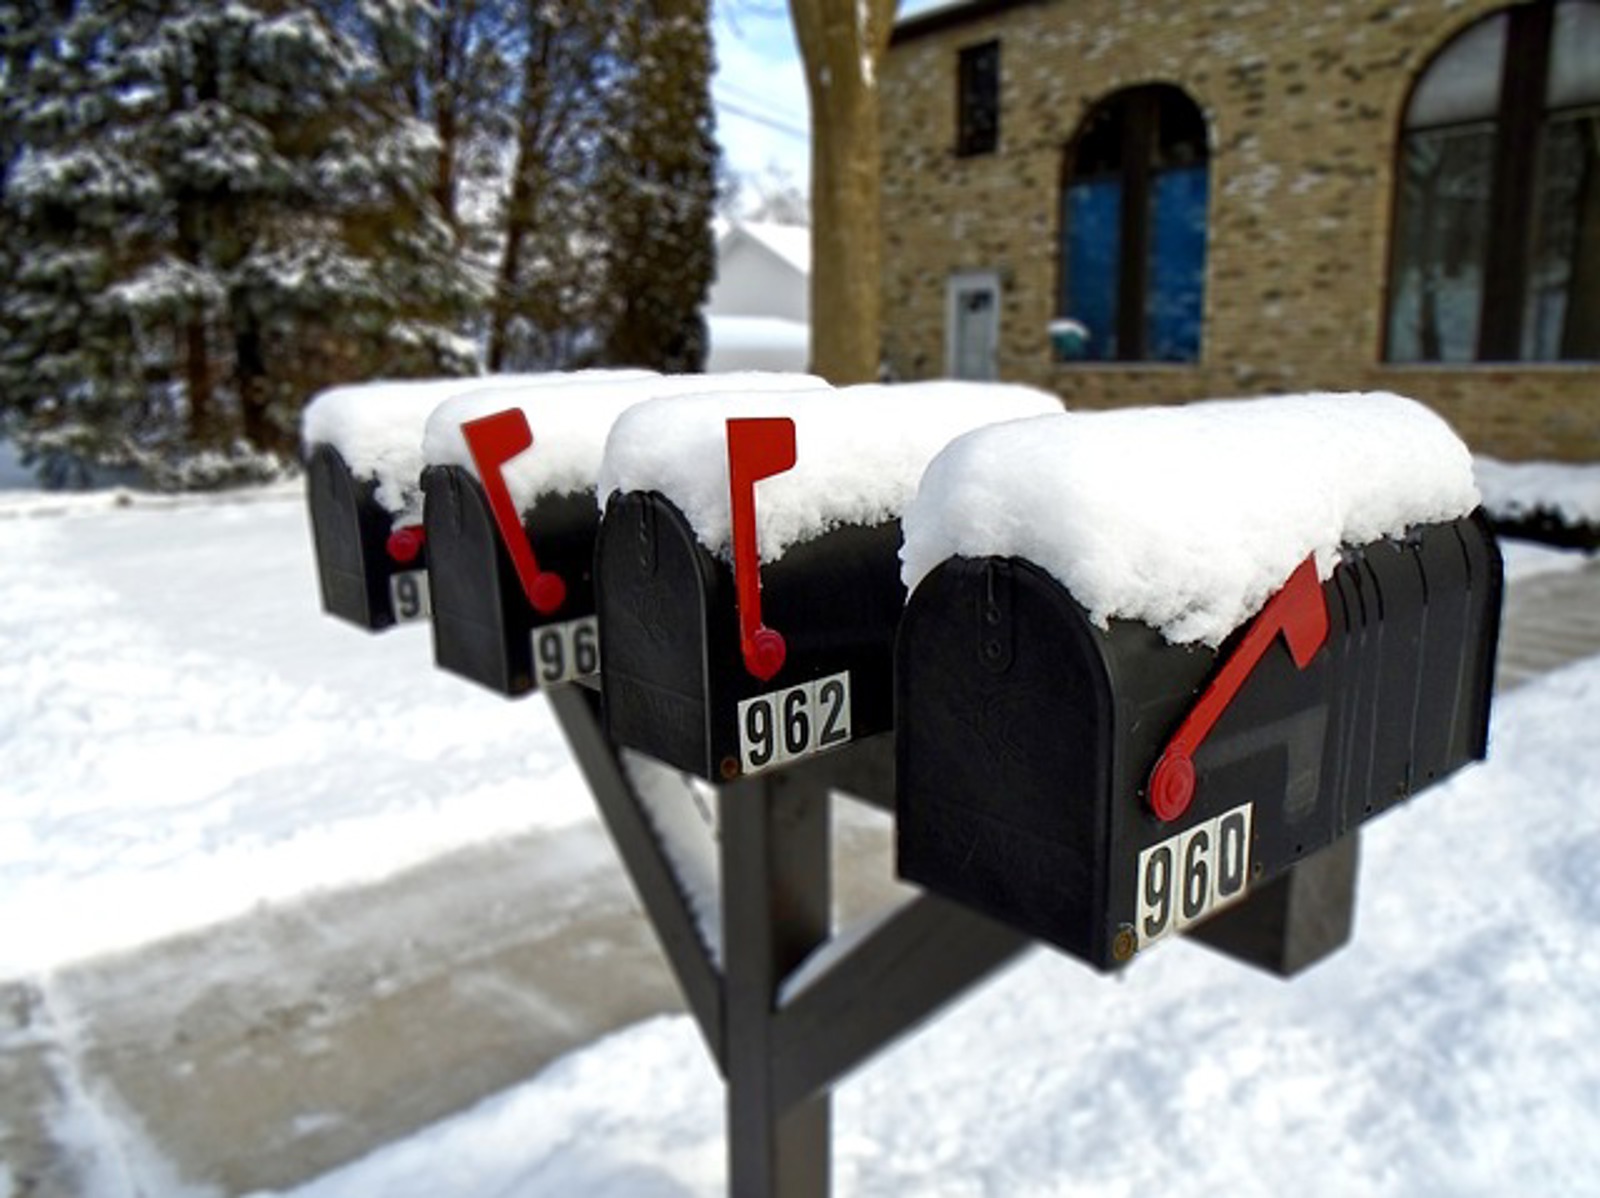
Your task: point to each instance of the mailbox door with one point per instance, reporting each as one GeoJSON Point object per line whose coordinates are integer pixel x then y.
{"type": "Point", "coordinates": [483, 624]}
{"type": "Point", "coordinates": [350, 531]}
{"type": "Point", "coordinates": [675, 683]}
{"type": "Point", "coordinates": [1004, 760]}
{"type": "Point", "coordinates": [477, 602]}
{"type": "Point", "coordinates": [655, 585]}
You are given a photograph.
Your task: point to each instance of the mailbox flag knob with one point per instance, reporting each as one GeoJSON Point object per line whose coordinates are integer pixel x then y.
{"type": "Point", "coordinates": [493, 441]}
{"type": "Point", "coordinates": [757, 448]}
{"type": "Point", "coordinates": [1171, 786]}
{"type": "Point", "coordinates": [1299, 611]}
{"type": "Point", "coordinates": [406, 543]}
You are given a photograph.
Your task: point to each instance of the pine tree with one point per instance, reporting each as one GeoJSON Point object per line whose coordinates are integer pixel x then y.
{"type": "Point", "coordinates": [662, 190]}
{"type": "Point", "coordinates": [223, 209]}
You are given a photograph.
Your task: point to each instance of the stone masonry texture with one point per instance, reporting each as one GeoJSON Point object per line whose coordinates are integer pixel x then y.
{"type": "Point", "coordinates": [1304, 105]}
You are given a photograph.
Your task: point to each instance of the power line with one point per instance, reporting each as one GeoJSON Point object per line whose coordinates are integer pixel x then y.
{"type": "Point", "coordinates": [770, 122]}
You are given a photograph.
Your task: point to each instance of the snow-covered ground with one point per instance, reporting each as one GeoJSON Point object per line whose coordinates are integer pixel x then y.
{"type": "Point", "coordinates": [1450, 1050]}
{"type": "Point", "coordinates": [183, 737]}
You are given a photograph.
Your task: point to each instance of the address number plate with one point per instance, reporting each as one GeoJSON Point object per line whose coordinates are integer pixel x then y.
{"type": "Point", "coordinates": [1193, 874]}
{"type": "Point", "coordinates": [792, 723]}
{"type": "Point", "coordinates": [409, 596]}
{"type": "Point", "coordinates": [562, 652]}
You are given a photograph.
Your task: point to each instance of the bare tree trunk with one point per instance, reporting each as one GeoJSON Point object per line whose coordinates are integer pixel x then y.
{"type": "Point", "coordinates": [200, 383]}
{"type": "Point", "coordinates": [519, 205]}
{"type": "Point", "coordinates": [446, 49]}
{"type": "Point", "coordinates": [842, 42]}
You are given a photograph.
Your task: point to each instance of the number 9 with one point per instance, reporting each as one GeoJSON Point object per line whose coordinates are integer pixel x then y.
{"type": "Point", "coordinates": [758, 732]}
{"type": "Point", "coordinates": [410, 596]}
{"type": "Point", "coordinates": [1158, 875]}
{"type": "Point", "coordinates": [552, 655]}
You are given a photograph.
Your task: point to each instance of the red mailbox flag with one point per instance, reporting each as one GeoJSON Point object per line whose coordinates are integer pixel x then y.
{"type": "Point", "coordinates": [1300, 612]}
{"type": "Point", "coordinates": [494, 440]}
{"type": "Point", "coordinates": [757, 448]}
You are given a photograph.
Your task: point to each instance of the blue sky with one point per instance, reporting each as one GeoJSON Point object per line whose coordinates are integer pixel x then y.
{"type": "Point", "coordinates": [762, 117]}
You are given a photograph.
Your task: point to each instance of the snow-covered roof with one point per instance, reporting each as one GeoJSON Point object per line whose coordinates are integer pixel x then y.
{"type": "Point", "coordinates": [570, 422]}
{"type": "Point", "coordinates": [377, 427]}
{"type": "Point", "coordinates": [1189, 518]}
{"type": "Point", "coordinates": [791, 243]}
{"type": "Point", "coordinates": [860, 453]}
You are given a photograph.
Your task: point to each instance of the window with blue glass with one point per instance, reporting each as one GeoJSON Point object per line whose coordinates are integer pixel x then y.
{"type": "Point", "coordinates": [1134, 201]}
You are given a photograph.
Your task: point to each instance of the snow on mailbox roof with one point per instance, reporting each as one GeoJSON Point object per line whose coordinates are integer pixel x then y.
{"type": "Point", "coordinates": [1189, 518]}
{"type": "Point", "coordinates": [377, 427]}
{"type": "Point", "coordinates": [860, 452]}
{"type": "Point", "coordinates": [570, 423]}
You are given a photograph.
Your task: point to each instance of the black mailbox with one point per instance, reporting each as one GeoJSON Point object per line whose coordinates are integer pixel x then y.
{"type": "Point", "coordinates": [722, 666]}
{"type": "Point", "coordinates": [1102, 788]}
{"type": "Point", "coordinates": [371, 573]}
{"type": "Point", "coordinates": [513, 592]}
{"type": "Point", "coordinates": [485, 626]}
{"type": "Point", "coordinates": [676, 682]}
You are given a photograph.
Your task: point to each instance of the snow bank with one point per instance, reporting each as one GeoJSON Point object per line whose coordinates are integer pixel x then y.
{"type": "Point", "coordinates": [860, 452]}
{"type": "Point", "coordinates": [570, 423]}
{"type": "Point", "coordinates": [378, 427]}
{"type": "Point", "coordinates": [1189, 518]}
{"type": "Point", "coordinates": [757, 343]}
{"type": "Point", "coordinates": [1516, 490]}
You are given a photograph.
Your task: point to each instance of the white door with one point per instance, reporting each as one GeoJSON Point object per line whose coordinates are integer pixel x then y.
{"type": "Point", "coordinates": [972, 325]}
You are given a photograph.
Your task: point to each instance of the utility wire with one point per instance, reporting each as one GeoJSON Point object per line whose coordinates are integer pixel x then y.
{"type": "Point", "coordinates": [770, 122]}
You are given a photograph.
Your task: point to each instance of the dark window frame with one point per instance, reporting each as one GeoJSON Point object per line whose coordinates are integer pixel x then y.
{"type": "Point", "coordinates": [1518, 126]}
{"type": "Point", "coordinates": [978, 99]}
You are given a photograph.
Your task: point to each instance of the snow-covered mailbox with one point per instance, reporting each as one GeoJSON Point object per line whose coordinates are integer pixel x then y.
{"type": "Point", "coordinates": [1152, 660]}
{"type": "Point", "coordinates": [511, 518]}
{"type": "Point", "coordinates": [748, 565]}
{"type": "Point", "coordinates": [363, 447]}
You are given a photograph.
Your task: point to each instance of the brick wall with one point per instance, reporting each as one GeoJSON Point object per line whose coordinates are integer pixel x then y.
{"type": "Point", "coordinates": [1304, 104]}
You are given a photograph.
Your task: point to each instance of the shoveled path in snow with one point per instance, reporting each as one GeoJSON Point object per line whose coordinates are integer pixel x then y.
{"type": "Point", "coordinates": [270, 1049]}
{"type": "Point", "coordinates": [1548, 620]}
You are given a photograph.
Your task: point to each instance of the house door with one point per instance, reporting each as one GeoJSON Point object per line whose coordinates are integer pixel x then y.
{"type": "Point", "coordinates": [972, 325]}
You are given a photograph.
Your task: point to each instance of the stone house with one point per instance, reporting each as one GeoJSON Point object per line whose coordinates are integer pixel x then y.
{"type": "Point", "coordinates": [1172, 199]}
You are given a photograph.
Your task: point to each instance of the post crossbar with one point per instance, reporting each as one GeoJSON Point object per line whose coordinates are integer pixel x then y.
{"type": "Point", "coordinates": [780, 1053]}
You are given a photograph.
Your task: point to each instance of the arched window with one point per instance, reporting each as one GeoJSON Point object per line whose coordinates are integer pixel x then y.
{"type": "Point", "coordinates": [1496, 251]}
{"type": "Point", "coordinates": [1134, 195]}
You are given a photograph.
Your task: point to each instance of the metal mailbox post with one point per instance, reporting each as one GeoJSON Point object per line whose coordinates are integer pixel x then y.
{"type": "Point", "coordinates": [1102, 790]}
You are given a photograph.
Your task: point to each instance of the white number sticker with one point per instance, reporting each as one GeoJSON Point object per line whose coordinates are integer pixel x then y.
{"type": "Point", "coordinates": [562, 652]}
{"type": "Point", "coordinates": [1193, 874]}
{"type": "Point", "coordinates": [409, 595]}
{"type": "Point", "coordinates": [794, 723]}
